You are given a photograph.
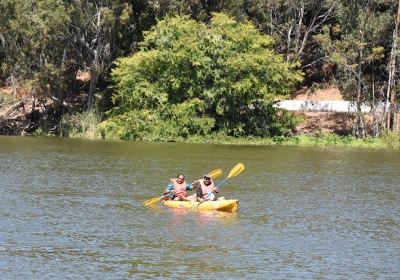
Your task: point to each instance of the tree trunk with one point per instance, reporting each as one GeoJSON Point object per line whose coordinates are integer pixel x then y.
{"type": "Point", "coordinates": [14, 85]}
{"type": "Point", "coordinates": [94, 76]}
{"type": "Point", "coordinates": [288, 43]}
{"type": "Point", "coordinates": [391, 92]}
{"type": "Point", "coordinates": [95, 69]}
{"type": "Point", "coordinates": [360, 129]}
{"type": "Point", "coordinates": [298, 29]}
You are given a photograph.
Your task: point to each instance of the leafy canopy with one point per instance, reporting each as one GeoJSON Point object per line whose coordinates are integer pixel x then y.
{"type": "Point", "coordinates": [192, 79]}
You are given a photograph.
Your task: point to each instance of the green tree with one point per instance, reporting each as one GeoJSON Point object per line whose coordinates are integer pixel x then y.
{"type": "Point", "coordinates": [223, 76]}
{"type": "Point", "coordinates": [33, 40]}
{"type": "Point", "coordinates": [359, 44]}
{"type": "Point", "coordinates": [44, 43]}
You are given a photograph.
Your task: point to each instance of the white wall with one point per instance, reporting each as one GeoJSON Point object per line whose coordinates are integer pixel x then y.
{"type": "Point", "coordinates": [323, 106]}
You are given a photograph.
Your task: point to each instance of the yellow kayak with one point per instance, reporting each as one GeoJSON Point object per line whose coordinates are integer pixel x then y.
{"type": "Point", "coordinates": [227, 205]}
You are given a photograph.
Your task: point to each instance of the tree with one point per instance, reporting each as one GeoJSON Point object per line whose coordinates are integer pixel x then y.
{"type": "Point", "coordinates": [391, 92]}
{"type": "Point", "coordinates": [358, 44]}
{"type": "Point", "coordinates": [29, 29]}
{"type": "Point", "coordinates": [292, 23]}
{"type": "Point", "coordinates": [103, 30]}
{"type": "Point", "coordinates": [49, 41]}
{"type": "Point", "coordinates": [200, 78]}
{"type": "Point", "coordinates": [93, 33]}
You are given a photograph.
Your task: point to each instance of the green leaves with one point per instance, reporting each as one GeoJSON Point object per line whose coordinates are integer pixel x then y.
{"type": "Point", "coordinates": [29, 29]}
{"type": "Point", "coordinates": [199, 78]}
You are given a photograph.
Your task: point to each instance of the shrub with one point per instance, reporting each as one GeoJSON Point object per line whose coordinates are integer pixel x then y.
{"type": "Point", "coordinates": [84, 125]}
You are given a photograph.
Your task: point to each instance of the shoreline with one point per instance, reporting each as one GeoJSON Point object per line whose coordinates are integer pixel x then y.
{"type": "Point", "coordinates": [388, 141]}
{"type": "Point", "coordinates": [326, 140]}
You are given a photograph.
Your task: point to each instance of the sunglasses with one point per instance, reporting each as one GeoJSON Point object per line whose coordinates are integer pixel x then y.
{"type": "Point", "coordinates": [181, 178]}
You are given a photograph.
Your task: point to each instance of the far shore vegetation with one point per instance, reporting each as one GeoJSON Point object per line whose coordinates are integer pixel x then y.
{"type": "Point", "coordinates": [194, 72]}
{"type": "Point", "coordinates": [86, 126]}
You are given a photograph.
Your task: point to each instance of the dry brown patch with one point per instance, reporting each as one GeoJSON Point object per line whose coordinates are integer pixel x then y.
{"type": "Point", "coordinates": [324, 122]}
{"type": "Point", "coordinates": [83, 76]}
{"type": "Point", "coordinates": [6, 90]}
{"type": "Point", "coordinates": [328, 94]}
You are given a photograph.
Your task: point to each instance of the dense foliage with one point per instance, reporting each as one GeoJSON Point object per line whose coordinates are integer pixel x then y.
{"type": "Point", "coordinates": [45, 43]}
{"type": "Point", "coordinates": [191, 78]}
{"type": "Point", "coordinates": [352, 44]}
{"type": "Point", "coordinates": [359, 44]}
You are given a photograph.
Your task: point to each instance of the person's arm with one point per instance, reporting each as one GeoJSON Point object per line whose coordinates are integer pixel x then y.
{"type": "Point", "coordinates": [195, 185]}
{"type": "Point", "coordinates": [169, 188]}
{"type": "Point", "coordinates": [215, 189]}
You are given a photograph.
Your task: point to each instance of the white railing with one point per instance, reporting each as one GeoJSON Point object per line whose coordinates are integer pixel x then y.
{"type": "Point", "coordinates": [326, 106]}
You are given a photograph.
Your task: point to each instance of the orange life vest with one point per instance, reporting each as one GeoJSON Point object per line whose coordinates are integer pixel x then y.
{"type": "Point", "coordinates": [206, 189]}
{"type": "Point", "coordinates": [180, 189]}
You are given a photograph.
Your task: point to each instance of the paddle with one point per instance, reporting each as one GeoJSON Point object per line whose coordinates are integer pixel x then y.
{"type": "Point", "coordinates": [152, 200]}
{"type": "Point", "coordinates": [213, 174]}
{"type": "Point", "coordinates": [236, 170]}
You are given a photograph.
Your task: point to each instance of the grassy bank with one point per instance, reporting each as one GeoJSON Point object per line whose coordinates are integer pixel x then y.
{"type": "Point", "coordinates": [388, 140]}
{"type": "Point", "coordinates": [86, 125]}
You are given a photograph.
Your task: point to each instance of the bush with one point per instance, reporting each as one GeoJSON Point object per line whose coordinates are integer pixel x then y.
{"type": "Point", "coordinates": [173, 124]}
{"type": "Point", "coordinates": [391, 139]}
{"type": "Point", "coordinates": [83, 125]}
{"type": "Point", "coordinates": [198, 78]}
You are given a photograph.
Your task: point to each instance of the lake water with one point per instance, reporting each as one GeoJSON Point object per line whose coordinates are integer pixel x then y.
{"type": "Point", "coordinates": [73, 209]}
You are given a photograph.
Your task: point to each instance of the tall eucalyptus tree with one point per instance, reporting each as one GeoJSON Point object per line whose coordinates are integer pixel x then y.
{"type": "Point", "coordinates": [359, 44]}
{"type": "Point", "coordinates": [391, 96]}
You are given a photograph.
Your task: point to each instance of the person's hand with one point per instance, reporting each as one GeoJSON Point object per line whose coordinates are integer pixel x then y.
{"type": "Point", "coordinates": [196, 184]}
{"type": "Point", "coordinates": [211, 196]}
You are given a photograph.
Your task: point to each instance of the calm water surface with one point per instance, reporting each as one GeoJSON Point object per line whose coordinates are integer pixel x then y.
{"type": "Point", "coordinates": [72, 209]}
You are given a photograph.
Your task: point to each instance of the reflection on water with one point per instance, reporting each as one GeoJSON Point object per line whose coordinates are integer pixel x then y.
{"type": "Point", "coordinates": [74, 209]}
{"type": "Point", "coordinates": [201, 218]}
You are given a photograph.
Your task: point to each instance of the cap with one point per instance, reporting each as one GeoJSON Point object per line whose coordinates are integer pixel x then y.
{"type": "Point", "coordinates": [207, 176]}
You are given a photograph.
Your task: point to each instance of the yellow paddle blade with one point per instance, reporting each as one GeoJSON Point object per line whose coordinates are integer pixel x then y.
{"type": "Point", "coordinates": [236, 170]}
{"type": "Point", "coordinates": [152, 200]}
{"type": "Point", "coordinates": [215, 173]}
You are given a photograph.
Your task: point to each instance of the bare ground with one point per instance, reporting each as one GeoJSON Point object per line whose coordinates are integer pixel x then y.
{"type": "Point", "coordinates": [323, 122]}
{"type": "Point", "coordinates": [327, 94]}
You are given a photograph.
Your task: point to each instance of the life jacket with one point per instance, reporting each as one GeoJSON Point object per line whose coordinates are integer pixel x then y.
{"type": "Point", "coordinates": [206, 189]}
{"type": "Point", "coordinates": [180, 189]}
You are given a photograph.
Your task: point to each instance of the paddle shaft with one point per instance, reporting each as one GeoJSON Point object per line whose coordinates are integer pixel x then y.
{"type": "Point", "coordinates": [236, 170]}
{"type": "Point", "coordinates": [222, 182]}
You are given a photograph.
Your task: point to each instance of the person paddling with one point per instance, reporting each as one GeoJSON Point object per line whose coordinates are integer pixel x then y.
{"type": "Point", "coordinates": [205, 189]}
{"type": "Point", "coordinates": [177, 189]}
